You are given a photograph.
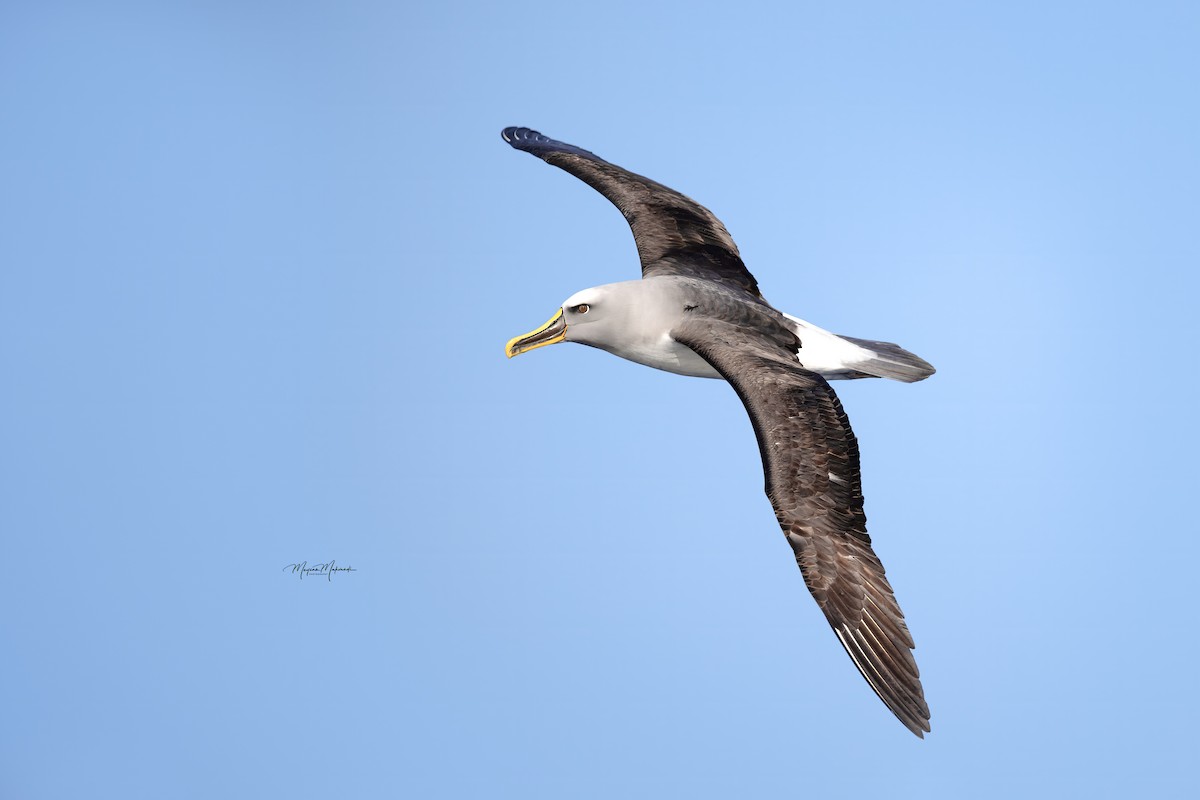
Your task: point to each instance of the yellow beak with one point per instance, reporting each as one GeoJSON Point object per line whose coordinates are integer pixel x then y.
{"type": "Point", "coordinates": [552, 332]}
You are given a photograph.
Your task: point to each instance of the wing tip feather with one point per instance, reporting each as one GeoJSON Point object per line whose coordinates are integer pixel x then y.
{"type": "Point", "coordinates": [539, 144]}
{"type": "Point", "coordinates": [906, 701]}
{"type": "Point", "coordinates": [516, 135]}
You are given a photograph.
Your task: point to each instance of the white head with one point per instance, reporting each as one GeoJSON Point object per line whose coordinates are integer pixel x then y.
{"type": "Point", "coordinates": [603, 316]}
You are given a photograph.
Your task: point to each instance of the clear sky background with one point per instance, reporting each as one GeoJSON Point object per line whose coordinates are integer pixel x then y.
{"type": "Point", "coordinates": [258, 263]}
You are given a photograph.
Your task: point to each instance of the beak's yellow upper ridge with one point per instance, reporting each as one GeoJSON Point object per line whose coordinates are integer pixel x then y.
{"type": "Point", "coordinates": [555, 330]}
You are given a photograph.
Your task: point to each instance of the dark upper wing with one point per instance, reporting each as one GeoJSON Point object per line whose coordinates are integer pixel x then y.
{"type": "Point", "coordinates": [675, 235]}
{"type": "Point", "coordinates": [810, 458]}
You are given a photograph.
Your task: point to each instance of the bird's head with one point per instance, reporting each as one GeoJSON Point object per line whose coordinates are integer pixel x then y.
{"type": "Point", "coordinates": [593, 316]}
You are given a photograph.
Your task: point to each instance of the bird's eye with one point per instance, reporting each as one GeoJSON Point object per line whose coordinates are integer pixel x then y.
{"type": "Point", "coordinates": [582, 308]}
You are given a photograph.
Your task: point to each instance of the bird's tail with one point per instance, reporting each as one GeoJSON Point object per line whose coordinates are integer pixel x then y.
{"type": "Point", "coordinates": [844, 357]}
{"type": "Point", "coordinates": [887, 360]}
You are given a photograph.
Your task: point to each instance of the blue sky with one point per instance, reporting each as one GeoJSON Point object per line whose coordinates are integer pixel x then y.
{"type": "Point", "coordinates": [257, 266]}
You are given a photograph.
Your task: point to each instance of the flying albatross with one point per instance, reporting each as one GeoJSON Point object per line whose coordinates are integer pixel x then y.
{"type": "Point", "coordinates": [697, 311]}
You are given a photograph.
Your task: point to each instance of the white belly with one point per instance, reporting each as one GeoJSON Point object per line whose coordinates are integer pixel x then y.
{"type": "Point", "coordinates": [666, 354]}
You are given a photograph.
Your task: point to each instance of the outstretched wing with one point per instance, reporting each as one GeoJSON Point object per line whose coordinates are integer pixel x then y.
{"type": "Point", "coordinates": [810, 458]}
{"type": "Point", "coordinates": [675, 235]}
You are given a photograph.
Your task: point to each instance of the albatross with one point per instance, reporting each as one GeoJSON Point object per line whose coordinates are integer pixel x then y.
{"type": "Point", "coordinates": [697, 311]}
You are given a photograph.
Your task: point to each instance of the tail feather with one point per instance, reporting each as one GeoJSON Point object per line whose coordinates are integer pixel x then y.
{"type": "Point", "coordinates": [888, 360]}
{"type": "Point", "coordinates": [844, 357]}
